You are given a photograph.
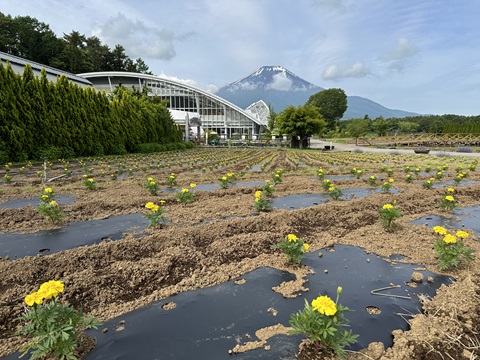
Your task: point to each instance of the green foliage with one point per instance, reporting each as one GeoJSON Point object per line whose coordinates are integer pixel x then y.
{"type": "Point", "coordinates": [53, 327]}
{"type": "Point", "coordinates": [268, 189]}
{"type": "Point", "coordinates": [388, 214]}
{"type": "Point", "coordinates": [151, 186]}
{"type": "Point", "coordinates": [331, 103]}
{"type": "Point", "coordinates": [89, 183]}
{"type": "Point", "coordinates": [450, 250]}
{"type": "Point", "coordinates": [62, 120]}
{"type": "Point", "coordinates": [300, 121]}
{"type": "Point", "coordinates": [293, 248]}
{"type": "Point", "coordinates": [317, 322]}
{"type": "Point", "coordinates": [49, 207]}
{"type": "Point", "coordinates": [448, 203]}
{"type": "Point", "coordinates": [156, 216]}
{"type": "Point", "coordinates": [334, 192]}
{"type": "Point", "coordinates": [186, 195]}
{"type": "Point", "coordinates": [261, 203]}
{"type": "Point", "coordinates": [381, 126]}
{"type": "Point", "coordinates": [358, 128]}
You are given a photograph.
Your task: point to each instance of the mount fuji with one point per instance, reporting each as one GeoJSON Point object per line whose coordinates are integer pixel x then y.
{"type": "Point", "coordinates": [279, 88]}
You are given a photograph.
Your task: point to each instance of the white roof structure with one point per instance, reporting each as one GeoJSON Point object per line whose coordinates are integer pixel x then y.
{"type": "Point", "coordinates": [214, 112]}
{"type": "Point", "coordinates": [261, 110]}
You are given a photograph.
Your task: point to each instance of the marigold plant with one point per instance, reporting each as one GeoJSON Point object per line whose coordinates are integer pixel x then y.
{"type": "Point", "coordinates": [224, 183]}
{"type": "Point", "coordinates": [49, 207]}
{"type": "Point", "coordinates": [89, 183]}
{"type": "Point", "coordinates": [449, 248]}
{"type": "Point", "coordinates": [151, 186]}
{"type": "Point", "coordinates": [323, 322]}
{"type": "Point", "coordinates": [326, 184]}
{"type": "Point", "coordinates": [448, 203]}
{"type": "Point", "coordinates": [53, 327]}
{"type": "Point", "coordinates": [334, 192]}
{"type": "Point", "coordinates": [268, 189]}
{"type": "Point", "coordinates": [388, 214]}
{"type": "Point", "coordinates": [387, 185]}
{"type": "Point", "coordinates": [186, 195]}
{"type": "Point", "coordinates": [261, 203]}
{"type": "Point", "coordinates": [428, 184]}
{"type": "Point", "coordinates": [172, 180]}
{"type": "Point", "coordinates": [372, 180]}
{"type": "Point", "coordinates": [320, 174]}
{"type": "Point", "coordinates": [293, 248]}
{"type": "Point", "coordinates": [156, 214]}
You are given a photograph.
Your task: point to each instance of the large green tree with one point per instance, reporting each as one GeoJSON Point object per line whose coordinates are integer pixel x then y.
{"type": "Point", "coordinates": [358, 128]}
{"type": "Point", "coordinates": [300, 122]}
{"type": "Point", "coordinates": [381, 126]}
{"type": "Point", "coordinates": [332, 104]}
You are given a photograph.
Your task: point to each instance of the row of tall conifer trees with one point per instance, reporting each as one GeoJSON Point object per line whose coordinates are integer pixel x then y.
{"type": "Point", "coordinates": [38, 116]}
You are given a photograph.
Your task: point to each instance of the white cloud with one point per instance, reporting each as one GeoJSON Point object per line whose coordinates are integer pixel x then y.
{"type": "Point", "coordinates": [280, 82]}
{"type": "Point", "coordinates": [335, 72]}
{"type": "Point", "coordinates": [138, 39]}
{"type": "Point", "coordinates": [212, 88]}
{"type": "Point", "coordinates": [398, 58]}
{"type": "Point", "coordinates": [244, 85]}
{"type": "Point", "coordinates": [174, 78]}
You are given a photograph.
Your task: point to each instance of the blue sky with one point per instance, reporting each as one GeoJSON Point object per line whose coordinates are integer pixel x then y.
{"type": "Point", "coordinates": [415, 55]}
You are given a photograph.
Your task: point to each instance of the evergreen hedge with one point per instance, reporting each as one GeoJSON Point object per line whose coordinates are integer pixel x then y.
{"type": "Point", "coordinates": [40, 118]}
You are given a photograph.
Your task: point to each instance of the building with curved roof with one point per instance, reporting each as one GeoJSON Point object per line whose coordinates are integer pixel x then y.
{"type": "Point", "coordinates": [186, 103]}
{"type": "Point", "coordinates": [18, 65]}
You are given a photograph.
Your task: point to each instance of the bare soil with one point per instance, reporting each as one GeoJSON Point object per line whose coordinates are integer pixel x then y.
{"type": "Point", "coordinates": [220, 236]}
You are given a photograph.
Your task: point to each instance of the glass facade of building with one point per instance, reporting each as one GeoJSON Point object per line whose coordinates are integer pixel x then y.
{"type": "Point", "coordinates": [215, 113]}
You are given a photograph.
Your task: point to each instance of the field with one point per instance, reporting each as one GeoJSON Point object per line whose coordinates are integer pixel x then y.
{"type": "Point", "coordinates": [220, 236]}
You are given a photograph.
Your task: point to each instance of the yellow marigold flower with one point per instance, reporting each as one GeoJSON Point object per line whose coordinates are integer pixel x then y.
{"type": "Point", "coordinates": [154, 208]}
{"type": "Point", "coordinates": [51, 289]}
{"type": "Point", "coordinates": [432, 179]}
{"type": "Point", "coordinates": [150, 179]}
{"type": "Point", "coordinates": [149, 205]}
{"type": "Point", "coordinates": [44, 197]}
{"type": "Point", "coordinates": [84, 176]}
{"type": "Point", "coordinates": [387, 206]}
{"type": "Point", "coordinates": [326, 181]}
{"type": "Point", "coordinates": [462, 234]}
{"type": "Point", "coordinates": [48, 190]}
{"type": "Point", "coordinates": [172, 176]}
{"type": "Point", "coordinates": [372, 177]}
{"type": "Point", "coordinates": [449, 198]}
{"type": "Point", "coordinates": [33, 298]}
{"type": "Point", "coordinates": [324, 305]}
{"type": "Point", "coordinates": [391, 180]}
{"type": "Point", "coordinates": [359, 171]}
{"type": "Point", "coordinates": [224, 178]}
{"type": "Point", "coordinates": [440, 230]}
{"type": "Point", "coordinates": [184, 190]}
{"type": "Point", "coordinates": [306, 247]}
{"type": "Point", "coordinates": [90, 180]}
{"type": "Point", "coordinates": [292, 238]}
{"type": "Point", "coordinates": [331, 188]}
{"type": "Point", "coordinates": [53, 203]}
{"type": "Point", "coordinates": [162, 202]}
{"type": "Point", "coordinates": [450, 239]}
{"type": "Point", "coordinates": [450, 190]}
{"type": "Point", "coordinates": [192, 185]}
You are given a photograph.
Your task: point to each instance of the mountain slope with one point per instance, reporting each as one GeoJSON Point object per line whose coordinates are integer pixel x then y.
{"type": "Point", "coordinates": [279, 87]}
{"type": "Point", "coordinates": [358, 107]}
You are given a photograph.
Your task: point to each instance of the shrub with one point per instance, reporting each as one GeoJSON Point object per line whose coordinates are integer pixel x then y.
{"type": "Point", "coordinates": [449, 249]}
